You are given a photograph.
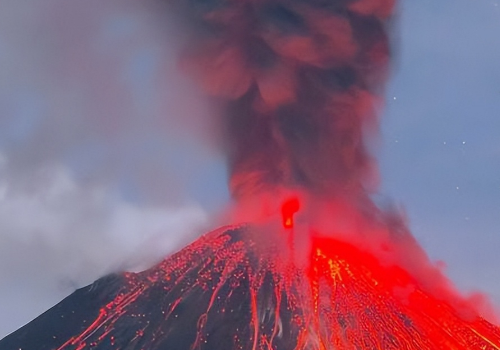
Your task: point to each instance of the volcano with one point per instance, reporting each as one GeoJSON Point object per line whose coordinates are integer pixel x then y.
{"type": "Point", "coordinates": [231, 289]}
{"type": "Point", "coordinates": [308, 260]}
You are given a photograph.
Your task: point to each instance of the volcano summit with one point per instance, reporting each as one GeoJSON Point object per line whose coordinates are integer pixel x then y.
{"type": "Point", "coordinates": [232, 290]}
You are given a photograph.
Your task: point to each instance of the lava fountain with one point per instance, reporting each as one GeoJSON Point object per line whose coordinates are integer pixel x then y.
{"type": "Point", "coordinates": [308, 261]}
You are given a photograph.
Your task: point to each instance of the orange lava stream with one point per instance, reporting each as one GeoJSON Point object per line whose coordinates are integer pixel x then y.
{"type": "Point", "coordinates": [345, 299]}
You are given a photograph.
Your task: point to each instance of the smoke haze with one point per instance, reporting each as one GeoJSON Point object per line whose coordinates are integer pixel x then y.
{"type": "Point", "coordinates": [96, 171]}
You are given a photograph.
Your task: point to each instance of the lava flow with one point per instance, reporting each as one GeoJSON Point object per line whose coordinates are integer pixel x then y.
{"type": "Point", "coordinates": [308, 261]}
{"type": "Point", "coordinates": [232, 290]}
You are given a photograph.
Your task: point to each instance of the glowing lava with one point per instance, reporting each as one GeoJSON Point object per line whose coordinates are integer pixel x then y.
{"type": "Point", "coordinates": [228, 291]}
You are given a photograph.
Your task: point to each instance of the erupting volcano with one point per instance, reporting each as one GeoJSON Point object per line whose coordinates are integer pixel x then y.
{"type": "Point", "coordinates": [307, 261]}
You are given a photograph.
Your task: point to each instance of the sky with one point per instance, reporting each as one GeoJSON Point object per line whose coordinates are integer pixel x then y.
{"type": "Point", "coordinates": [440, 157]}
{"type": "Point", "coordinates": [106, 163]}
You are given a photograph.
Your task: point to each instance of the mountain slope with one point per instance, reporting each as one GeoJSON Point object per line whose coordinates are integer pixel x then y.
{"type": "Point", "coordinates": [229, 290]}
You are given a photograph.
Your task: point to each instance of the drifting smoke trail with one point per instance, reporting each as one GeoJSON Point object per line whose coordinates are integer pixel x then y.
{"type": "Point", "coordinates": [94, 165]}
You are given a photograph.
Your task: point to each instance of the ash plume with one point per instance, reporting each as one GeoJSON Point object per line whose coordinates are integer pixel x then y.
{"type": "Point", "coordinates": [300, 82]}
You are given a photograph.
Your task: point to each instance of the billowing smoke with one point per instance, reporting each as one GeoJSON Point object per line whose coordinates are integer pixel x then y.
{"type": "Point", "coordinates": [96, 171]}
{"type": "Point", "coordinates": [298, 85]}
{"type": "Point", "coordinates": [300, 82]}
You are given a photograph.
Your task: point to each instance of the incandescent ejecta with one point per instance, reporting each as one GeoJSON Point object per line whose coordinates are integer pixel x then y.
{"type": "Point", "coordinates": [307, 260]}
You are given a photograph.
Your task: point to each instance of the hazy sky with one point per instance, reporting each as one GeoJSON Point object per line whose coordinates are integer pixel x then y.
{"type": "Point", "coordinates": [97, 171]}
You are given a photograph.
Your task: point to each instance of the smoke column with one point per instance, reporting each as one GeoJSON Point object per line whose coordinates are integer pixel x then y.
{"type": "Point", "coordinates": [300, 82]}
{"type": "Point", "coordinates": [300, 85]}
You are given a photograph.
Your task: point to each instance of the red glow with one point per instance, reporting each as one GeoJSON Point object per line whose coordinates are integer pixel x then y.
{"type": "Point", "coordinates": [288, 210]}
{"type": "Point", "coordinates": [345, 299]}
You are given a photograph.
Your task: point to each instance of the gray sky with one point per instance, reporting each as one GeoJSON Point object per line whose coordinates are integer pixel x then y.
{"type": "Point", "coordinates": [441, 154]}
{"type": "Point", "coordinates": [97, 173]}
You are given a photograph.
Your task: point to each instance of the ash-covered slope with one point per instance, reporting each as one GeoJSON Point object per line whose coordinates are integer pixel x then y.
{"type": "Point", "coordinates": [230, 290]}
{"type": "Point", "coordinates": [71, 316]}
